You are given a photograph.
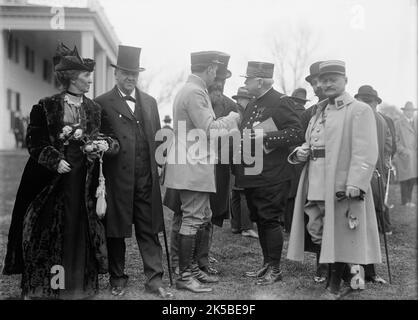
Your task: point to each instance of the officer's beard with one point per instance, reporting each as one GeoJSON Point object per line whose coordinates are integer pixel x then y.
{"type": "Point", "coordinates": [215, 97]}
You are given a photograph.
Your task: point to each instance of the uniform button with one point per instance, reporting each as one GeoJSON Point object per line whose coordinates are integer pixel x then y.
{"type": "Point", "coordinates": [120, 116]}
{"type": "Point", "coordinates": [317, 130]}
{"type": "Point", "coordinates": [137, 122]}
{"type": "Point", "coordinates": [316, 139]}
{"type": "Point", "coordinates": [124, 137]}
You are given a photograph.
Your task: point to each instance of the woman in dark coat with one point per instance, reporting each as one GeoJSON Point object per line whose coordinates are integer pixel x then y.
{"type": "Point", "coordinates": [56, 219]}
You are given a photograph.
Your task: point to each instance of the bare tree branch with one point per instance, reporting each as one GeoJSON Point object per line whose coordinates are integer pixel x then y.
{"type": "Point", "coordinates": [291, 56]}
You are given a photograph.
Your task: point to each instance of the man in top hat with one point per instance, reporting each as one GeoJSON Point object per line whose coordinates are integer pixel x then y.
{"type": "Point", "coordinates": [167, 121]}
{"type": "Point", "coordinates": [240, 214]}
{"type": "Point", "coordinates": [340, 154]}
{"type": "Point", "coordinates": [133, 194]}
{"type": "Point", "coordinates": [369, 96]}
{"type": "Point", "coordinates": [267, 192]}
{"type": "Point", "coordinates": [406, 156]}
{"type": "Point", "coordinates": [193, 175]}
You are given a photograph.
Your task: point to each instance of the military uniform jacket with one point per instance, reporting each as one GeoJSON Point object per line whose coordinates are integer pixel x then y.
{"type": "Point", "coordinates": [275, 167]}
{"type": "Point", "coordinates": [192, 109]}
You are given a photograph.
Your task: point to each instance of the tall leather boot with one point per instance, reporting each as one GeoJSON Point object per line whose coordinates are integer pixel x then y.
{"type": "Point", "coordinates": [274, 247]}
{"type": "Point", "coordinates": [337, 270]}
{"type": "Point", "coordinates": [174, 252]}
{"type": "Point", "coordinates": [186, 281]}
{"type": "Point", "coordinates": [202, 248]}
{"type": "Point", "coordinates": [260, 272]}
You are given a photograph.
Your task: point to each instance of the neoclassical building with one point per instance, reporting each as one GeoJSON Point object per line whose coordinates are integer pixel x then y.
{"type": "Point", "coordinates": [30, 31]}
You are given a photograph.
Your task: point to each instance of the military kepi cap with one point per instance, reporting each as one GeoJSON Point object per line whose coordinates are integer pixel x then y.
{"type": "Point", "coordinates": [257, 69]}
{"type": "Point", "coordinates": [205, 58]}
{"type": "Point", "coordinates": [332, 66]}
{"type": "Point", "coordinates": [313, 71]}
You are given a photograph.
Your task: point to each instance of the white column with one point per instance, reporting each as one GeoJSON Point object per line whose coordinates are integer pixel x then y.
{"type": "Point", "coordinates": [6, 136]}
{"type": "Point", "coordinates": [110, 82]}
{"type": "Point", "coordinates": [87, 51]}
{"type": "Point", "coordinates": [100, 73]}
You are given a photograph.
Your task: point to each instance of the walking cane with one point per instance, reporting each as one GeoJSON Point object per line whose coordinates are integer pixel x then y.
{"type": "Point", "coordinates": [167, 254]}
{"type": "Point", "coordinates": [382, 225]}
{"type": "Point", "coordinates": [388, 182]}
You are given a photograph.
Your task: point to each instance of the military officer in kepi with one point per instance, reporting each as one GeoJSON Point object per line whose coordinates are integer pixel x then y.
{"type": "Point", "coordinates": [267, 191]}
{"type": "Point", "coordinates": [334, 190]}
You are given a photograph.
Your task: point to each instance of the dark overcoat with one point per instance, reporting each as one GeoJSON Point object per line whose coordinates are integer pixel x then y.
{"type": "Point", "coordinates": [119, 170]}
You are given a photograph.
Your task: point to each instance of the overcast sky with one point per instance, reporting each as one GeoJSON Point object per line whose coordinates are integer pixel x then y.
{"type": "Point", "coordinates": [376, 38]}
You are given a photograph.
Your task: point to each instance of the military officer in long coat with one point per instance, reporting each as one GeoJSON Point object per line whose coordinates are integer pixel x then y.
{"type": "Point", "coordinates": [192, 173]}
{"type": "Point", "coordinates": [340, 153]}
{"type": "Point", "coordinates": [133, 192]}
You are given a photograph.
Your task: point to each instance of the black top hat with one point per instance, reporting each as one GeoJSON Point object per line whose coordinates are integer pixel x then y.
{"type": "Point", "coordinates": [66, 59]}
{"type": "Point", "coordinates": [313, 70]}
{"type": "Point", "coordinates": [205, 58]}
{"type": "Point", "coordinates": [257, 69]}
{"type": "Point", "coordinates": [299, 95]}
{"type": "Point", "coordinates": [332, 66]}
{"type": "Point", "coordinates": [367, 90]}
{"type": "Point", "coordinates": [167, 118]}
{"type": "Point", "coordinates": [223, 72]}
{"type": "Point", "coordinates": [243, 93]}
{"type": "Point", "coordinates": [128, 59]}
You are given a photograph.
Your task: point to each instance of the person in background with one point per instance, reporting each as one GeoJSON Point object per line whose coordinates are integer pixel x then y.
{"type": "Point", "coordinates": [240, 214]}
{"type": "Point", "coordinates": [299, 98]}
{"type": "Point", "coordinates": [167, 122]}
{"type": "Point", "coordinates": [406, 156]}
{"type": "Point", "coordinates": [369, 96]}
{"type": "Point", "coordinates": [18, 129]}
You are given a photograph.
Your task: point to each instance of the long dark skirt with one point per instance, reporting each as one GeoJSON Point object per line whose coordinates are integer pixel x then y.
{"type": "Point", "coordinates": [56, 233]}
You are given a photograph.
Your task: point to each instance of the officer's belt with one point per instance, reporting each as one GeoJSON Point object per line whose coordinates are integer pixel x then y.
{"type": "Point", "coordinates": [317, 153]}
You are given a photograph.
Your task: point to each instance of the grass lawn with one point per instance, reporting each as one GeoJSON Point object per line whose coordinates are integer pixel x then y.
{"type": "Point", "coordinates": [237, 254]}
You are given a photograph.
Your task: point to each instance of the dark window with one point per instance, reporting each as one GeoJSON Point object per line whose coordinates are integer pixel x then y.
{"type": "Point", "coordinates": [17, 101]}
{"type": "Point", "coordinates": [16, 45]}
{"type": "Point", "coordinates": [47, 71]}
{"type": "Point", "coordinates": [29, 59]}
{"type": "Point", "coordinates": [10, 45]}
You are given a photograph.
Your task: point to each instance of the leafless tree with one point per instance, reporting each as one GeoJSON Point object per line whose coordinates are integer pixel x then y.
{"type": "Point", "coordinates": [292, 56]}
{"type": "Point", "coordinates": [162, 89]}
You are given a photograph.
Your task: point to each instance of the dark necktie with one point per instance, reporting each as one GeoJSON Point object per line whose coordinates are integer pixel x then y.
{"type": "Point", "coordinates": [129, 98]}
